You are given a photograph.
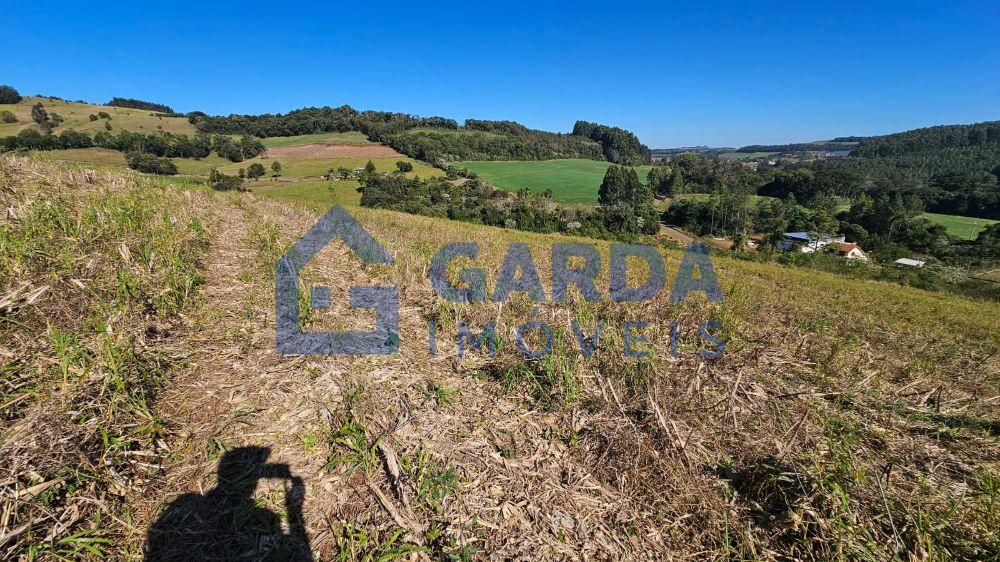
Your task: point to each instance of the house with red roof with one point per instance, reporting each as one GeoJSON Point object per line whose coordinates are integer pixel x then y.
{"type": "Point", "coordinates": [849, 250]}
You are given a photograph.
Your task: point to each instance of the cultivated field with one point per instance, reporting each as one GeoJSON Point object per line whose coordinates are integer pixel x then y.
{"type": "Point", "coordinates": [844, 420]}
{"type": "Point", "coordinates": [966, 228]}
{"type": "Point", "coordinates": [77, 117]}
{"type": "Point", "coordinates": [571, 180]}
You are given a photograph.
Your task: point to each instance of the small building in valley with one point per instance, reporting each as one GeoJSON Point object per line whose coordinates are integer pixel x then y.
{"type": "Point", "coordinates": [849, 250]}
{"type": "Point", "coordinates": [807, 243]}
{"type": "Point", "coordinates": [907, 262]}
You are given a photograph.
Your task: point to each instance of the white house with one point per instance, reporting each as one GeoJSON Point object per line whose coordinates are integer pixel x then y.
{"type": "Point", "coordinates": [849, 250]}
{"type": "Point", "coordinates": [807, 242]}
{"type": "Point", "coordinates": [909, 263]}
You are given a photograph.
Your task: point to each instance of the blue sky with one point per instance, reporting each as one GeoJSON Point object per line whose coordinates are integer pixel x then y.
{"type": "Point", "coordinates": [678, 74]}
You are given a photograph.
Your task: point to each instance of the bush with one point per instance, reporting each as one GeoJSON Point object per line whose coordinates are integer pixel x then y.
{"type": "Point", "coordinates": [93, 117]}
{"type": "Point", "coordinates": [103, 115]}
{"type": "Point", "coordinates": [404, 166]}
{"type": "Point", "coordinates": [151, 164]}
{"type": "Point", "coordinates": [9, 95]}
{"type": "Point", "coordinates": [8, 117]}
{"type": "Point", "coordinates": [221, 182]}
{"type": "Point", "coordinates": [38, 113]}
{"type": "Point", "coordinates": [256, 170]}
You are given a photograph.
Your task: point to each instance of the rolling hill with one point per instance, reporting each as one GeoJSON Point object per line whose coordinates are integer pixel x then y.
{"type": "Point", "coordinates": [77, 117]}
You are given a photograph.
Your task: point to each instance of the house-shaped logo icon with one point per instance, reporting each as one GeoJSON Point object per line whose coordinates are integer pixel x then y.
{"type": "Point", "coordinates": [289, 337]}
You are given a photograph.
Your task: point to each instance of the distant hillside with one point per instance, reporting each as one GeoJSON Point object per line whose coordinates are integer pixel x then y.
{"type": "Point", "coordinates": [704, 151]}
{"type": "Point", "coordinates": [930, 139]}
{"type": "Point", "coordinates": [817, 146]}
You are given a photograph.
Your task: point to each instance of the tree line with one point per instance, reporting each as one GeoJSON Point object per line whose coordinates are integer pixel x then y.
{"type": "Point", "coordinates": [617, 144]}
{"type": "Point", "coordinates": [835, 144]}
{"type": "Point", "coordinates": [131, 103]}
{"type": "Point", "coordinates": [162, 144]}
{"type": "Point", "coordinates": [438, 139]}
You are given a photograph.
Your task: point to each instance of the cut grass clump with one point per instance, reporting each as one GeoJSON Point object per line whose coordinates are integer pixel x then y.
{"type": "Point", "coordinates": [92, 267]}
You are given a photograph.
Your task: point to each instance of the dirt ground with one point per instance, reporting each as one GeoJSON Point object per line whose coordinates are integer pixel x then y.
{"type": "Point", "coordinates": [319, 150]}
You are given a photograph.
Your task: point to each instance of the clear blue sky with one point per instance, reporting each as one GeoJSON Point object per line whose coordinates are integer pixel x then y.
{"type": "Point", "coordinates": [725, 73]}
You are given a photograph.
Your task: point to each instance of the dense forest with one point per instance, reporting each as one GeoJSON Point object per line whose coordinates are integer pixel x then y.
{"type": "Point", "coordinates": [617, 144]}
{"type": "Point", "coordinates": [929, 139]}
{"type": "Point", "coordinates": [820, 146]}
{"type": "Point", "coordinates": [139, 104]}
{"type": "Point", "coordinates": [378, 125]}
{"type": "Point", "coordinates": [491, 140]}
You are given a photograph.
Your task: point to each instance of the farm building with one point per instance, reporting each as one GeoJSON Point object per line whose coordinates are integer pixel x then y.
{"type": "Point", "coordinates": [807, 243]}
{"type": "Point", "coordinates": [849, 250]}
{"type": "Point", "coordinates": [909, 263]}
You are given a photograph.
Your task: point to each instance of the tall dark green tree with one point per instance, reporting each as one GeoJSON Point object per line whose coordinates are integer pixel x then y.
{"type": "Point", "coordinates": [9, 95]}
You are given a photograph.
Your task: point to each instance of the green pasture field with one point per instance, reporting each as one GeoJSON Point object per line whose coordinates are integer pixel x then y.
{"type": "Point", "coordinates": [352, 137]}
{"type": "Point", "coordinates": [318, 195]}
{"type": "Point", "coordinates": [966, 228]}
{"type": "Point", "coordinates": [571, 180]}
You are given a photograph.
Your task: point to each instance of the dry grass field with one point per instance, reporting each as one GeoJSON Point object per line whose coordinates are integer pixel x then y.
{"type": "Point", "coordinates": [845, 419]}
{"type": "Point", "coordinates": [77, 117]}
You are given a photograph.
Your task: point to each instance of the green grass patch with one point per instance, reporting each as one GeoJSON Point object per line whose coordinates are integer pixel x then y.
{"type": "Point", "coordinates": [352, 137]}
{"type": "Point", "coordinates": [314, 167]}
{"type": "Point", "coordinates": [966, 228]}
{"type": "Point", "coordinates": [318, 195]}
{"type": "Point", "coordinates": [571, 180]}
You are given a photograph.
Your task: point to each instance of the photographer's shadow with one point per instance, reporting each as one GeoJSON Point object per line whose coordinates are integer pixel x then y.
{"type": "Point", "coordinates": [227, 523]}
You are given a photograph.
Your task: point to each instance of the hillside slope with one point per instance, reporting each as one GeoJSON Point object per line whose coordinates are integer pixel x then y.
{"type": "Point", "coordinates": [77, 117]}
{"type": "Point", "coordinates": [844, 418]}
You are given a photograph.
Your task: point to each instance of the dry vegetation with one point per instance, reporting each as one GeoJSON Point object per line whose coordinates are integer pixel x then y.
{"type": "Point", "coordinates": [77, 117]}
{"type": "Point", "coordinates": [845, 419]}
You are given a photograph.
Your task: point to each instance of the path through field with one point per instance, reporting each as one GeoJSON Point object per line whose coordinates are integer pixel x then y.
{"type": "Point", "coordinates": [498, 483]}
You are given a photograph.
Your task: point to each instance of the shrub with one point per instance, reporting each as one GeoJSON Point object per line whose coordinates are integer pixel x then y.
{"type": "Point", "coordinates": [38, 113]}
{"type": "Point", "coordinates": [151, 164]}
{"type": "Point", "coordinates": [103, 115]}
{"type": "Point", "coordinates": [93, 117]}
{"type": "Point", "coordinates": [9, 95]}
{"type": "Point", "coordinates": [256, 170]}
{"type": "Point", "coordinates": [221, 182]}
{"type": "Point", "coordinates": [8, 117]}
{"type": "Point", "coordinates": [404, 166]}
{"type": "Point", "coordinates": [276, 168]}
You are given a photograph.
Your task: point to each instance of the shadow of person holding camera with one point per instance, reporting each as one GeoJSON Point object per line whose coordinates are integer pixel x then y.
{"type": "Point", "coordinates": [226, 523]}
